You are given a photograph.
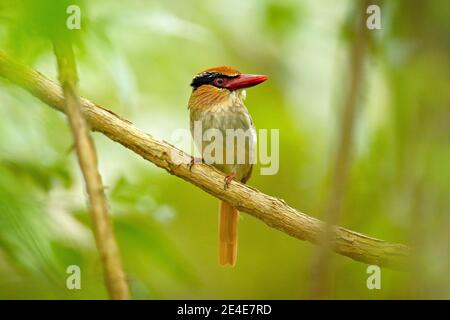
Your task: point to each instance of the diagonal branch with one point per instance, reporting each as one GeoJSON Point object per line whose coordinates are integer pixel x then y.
{"type": "Point", "coordinates": [87, 159]}
{"type": "Point", "coordinates": [273, 211]}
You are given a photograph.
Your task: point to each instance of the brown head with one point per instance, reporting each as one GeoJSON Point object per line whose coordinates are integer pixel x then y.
{"type": "Point", "coordinates": [213, 85]}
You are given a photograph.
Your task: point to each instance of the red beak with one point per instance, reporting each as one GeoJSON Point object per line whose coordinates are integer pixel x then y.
{"type": "Point", "coordinates": [245, 81]}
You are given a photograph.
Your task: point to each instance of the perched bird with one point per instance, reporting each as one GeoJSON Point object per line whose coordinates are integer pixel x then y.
{"type": "Point", "coordinates": [217, 102]}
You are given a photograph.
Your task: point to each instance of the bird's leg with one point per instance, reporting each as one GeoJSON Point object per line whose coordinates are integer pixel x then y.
{"type": "Point", "coordinates": [195, 160]}
{"type": "Point", "coordinates": [228, 179]}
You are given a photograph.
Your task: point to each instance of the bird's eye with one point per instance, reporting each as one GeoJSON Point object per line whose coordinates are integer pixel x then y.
{"type": "Point", "coordinates": [219, 81]}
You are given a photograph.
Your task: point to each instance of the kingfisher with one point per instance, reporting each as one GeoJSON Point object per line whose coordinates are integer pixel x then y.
{"type": "Point", "coordinates": [217, 102]}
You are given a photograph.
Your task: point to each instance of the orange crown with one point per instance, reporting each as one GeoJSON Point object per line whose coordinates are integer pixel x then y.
{"type": "Point", "coordinates": [225, 70]}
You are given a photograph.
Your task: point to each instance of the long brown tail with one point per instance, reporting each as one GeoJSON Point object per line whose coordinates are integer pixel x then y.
{"type": "Point", "coordinates": [228, 227]}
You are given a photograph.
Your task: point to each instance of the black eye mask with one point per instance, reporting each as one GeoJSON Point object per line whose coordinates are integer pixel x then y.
{"type": "Point", "coordinates": [208, 78]}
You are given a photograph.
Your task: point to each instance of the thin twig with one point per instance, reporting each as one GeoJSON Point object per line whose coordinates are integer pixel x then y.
{"type": "Point", "coordinates": [273, 211]}
{"type": "Point", "coordinates": [322, 279]}
{"type": "Point", "coordinates": [87, 159]}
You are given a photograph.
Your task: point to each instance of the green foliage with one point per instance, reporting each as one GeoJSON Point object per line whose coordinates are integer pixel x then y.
{"type": "Point", "coordinates": [137, 58]}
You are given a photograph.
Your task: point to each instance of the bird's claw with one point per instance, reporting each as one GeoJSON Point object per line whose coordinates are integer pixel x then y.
{"type": "Point", "coordinates": [193, 161]}
{"type": "Point", "coordinates": [228, 179]}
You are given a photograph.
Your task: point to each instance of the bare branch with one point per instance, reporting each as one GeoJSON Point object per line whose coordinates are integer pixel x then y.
{"type": "Point", "coordinates": [87, 159]}
{"type": "Point", "coordinates": [273, 211]}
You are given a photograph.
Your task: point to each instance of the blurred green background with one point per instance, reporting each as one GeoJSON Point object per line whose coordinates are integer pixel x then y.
{"type": "Point", "coordinates": [138, 57]}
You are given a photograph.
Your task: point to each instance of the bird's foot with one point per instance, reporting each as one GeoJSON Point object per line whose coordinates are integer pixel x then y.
{"type": "Point", "coordinates": [228, 179]}
{"type": "Point", "coordinates": [195, 160]}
